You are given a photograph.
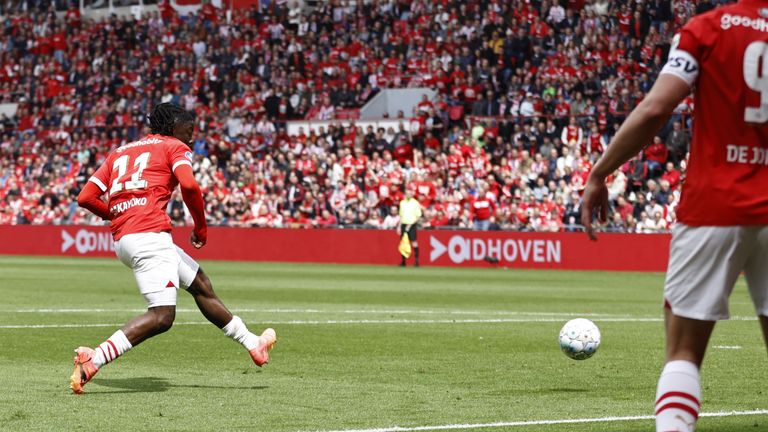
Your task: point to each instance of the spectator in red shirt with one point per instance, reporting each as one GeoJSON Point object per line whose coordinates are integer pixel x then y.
{"type": "Point", "coordinates": [483, 207]}
{"type": "Point", "coordinates": [424, 190]}
{"type": "Point", "coordinates": [656, 156]}
{"type": "Point", "coordinates": [431, 145]}
{"type": "Point", "coordinates": [326, 220]}
{"type": "Point", "coordinates": [671, 175]}
{"type": "Point", "coordinates": [624, 208]}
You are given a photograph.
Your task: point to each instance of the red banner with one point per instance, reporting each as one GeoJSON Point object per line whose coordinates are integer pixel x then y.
{"type": "Point", "coordinates": [564, 251]}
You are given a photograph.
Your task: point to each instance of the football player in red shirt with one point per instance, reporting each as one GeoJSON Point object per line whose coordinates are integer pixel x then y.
{"type": "Point", "coordinates": [138, 179]}
{"type": "Point", "coordinates": [723, 213]}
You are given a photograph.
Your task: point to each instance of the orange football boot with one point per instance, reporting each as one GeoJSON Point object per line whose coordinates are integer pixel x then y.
{"type": "Point", "coordinates": [267, 340]}
{"type": "Point", "coordinates": [84, 369]}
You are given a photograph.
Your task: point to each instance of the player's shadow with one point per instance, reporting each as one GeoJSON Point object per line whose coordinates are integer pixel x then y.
{"type": "Point", "coordinates": [155, 385]}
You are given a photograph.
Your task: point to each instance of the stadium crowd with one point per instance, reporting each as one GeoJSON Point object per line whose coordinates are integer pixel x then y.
{"type": "Point", "coordinates": [529, 94]}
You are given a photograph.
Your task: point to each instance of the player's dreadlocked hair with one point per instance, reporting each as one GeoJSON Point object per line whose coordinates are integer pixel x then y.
{"type": "Point", "coordinates": [167, 115]}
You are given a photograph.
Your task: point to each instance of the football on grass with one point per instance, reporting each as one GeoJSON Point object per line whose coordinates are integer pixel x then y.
{"type": "Point", "coordinates": [579, 339]}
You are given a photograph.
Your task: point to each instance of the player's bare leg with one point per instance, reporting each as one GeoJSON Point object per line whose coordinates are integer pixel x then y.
{"type": "Point", "coordinates": [764, 325]}
{"type": "Point", "coordinates": [678, 395]}
{"type": "Point", "coordinates": [153, 322]}
{"type": "Point", "coordinates": [686, 338]}
{"type": "Point", "coordinates": [214, 311]}
{"type": "Point", "coordinates": [208, 302]}
{"type": "Point", "coordinates": [757, 279]}
{"type": "Point", "coordinates": [88, 361]}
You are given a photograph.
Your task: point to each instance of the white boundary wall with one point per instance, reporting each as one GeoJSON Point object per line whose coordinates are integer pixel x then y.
{"type": "Point", "coordinates": [390, 101]}
{"type": "Point", "coordinates": [9, 109]}
{"type": "Point", "coordinates": [293, 126]}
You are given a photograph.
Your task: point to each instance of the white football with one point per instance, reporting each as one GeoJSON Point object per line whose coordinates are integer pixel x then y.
{"type": "Point", "coordinates": [579, 339]}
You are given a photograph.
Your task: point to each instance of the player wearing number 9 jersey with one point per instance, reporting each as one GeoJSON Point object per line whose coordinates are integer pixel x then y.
{"type": "Point", "coordinates": [723, 56]}
{"type": "Point", "coordinates": [722, 230]}
{"type": "Point", "coordinates": [138, 179]}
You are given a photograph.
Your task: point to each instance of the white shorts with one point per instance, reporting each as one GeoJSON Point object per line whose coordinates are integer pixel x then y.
{"type": "Point", "coordinates": [159, 266]}
{"type": "Point", "coordinates": [704, 263]}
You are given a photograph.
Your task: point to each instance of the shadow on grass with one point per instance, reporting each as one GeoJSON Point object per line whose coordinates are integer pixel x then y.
{"type": "Point", "coordinates": [155, 385]}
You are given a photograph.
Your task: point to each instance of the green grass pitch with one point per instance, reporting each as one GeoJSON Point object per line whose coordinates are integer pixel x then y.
{"type": "Point", "coordinates": [358, 348]}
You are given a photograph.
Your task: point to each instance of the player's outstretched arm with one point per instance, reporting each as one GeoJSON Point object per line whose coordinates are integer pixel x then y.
{"type": "Point", "coordinates": [636, 132]}
{"type": "Point", "coordinates": [90, 199]}
{"type": "Point", "coordinates": [193, 198]}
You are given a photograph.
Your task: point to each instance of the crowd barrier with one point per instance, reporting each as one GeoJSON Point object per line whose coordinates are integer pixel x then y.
{"type": "Point", "coordinates": [565, 251]}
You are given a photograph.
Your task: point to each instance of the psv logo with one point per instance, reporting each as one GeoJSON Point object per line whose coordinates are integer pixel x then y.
{"type": "Point", "coordinates": [678, 62]}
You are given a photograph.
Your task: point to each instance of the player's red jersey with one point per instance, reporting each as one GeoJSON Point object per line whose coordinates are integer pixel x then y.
{"type": "Point", "coordinates": [724, 53]}
{"type": "Point", "coordinates": [138, 179]}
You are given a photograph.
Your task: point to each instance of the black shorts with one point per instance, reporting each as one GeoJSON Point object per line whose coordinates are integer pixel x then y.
{"type": "Point", "coordinates": [411, 232]}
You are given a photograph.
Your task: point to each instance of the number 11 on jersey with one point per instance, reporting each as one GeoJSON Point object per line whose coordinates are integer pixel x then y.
{"type": "Point", "coordinates": [121, 166]}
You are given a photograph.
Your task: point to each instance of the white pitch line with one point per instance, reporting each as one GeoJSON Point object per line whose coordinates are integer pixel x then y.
{"type": "Point", "coordinates": [371, 321]}
{"type": "Point", "coordinates": [596, 316]}
{"type": "Point", "coordinates": [455, 321]}
{"type": "Point", "coordinates": [54, 326]}
{"type": "Point", "coordinates": [727, 347]}
{"type": "Point", "coordinates": [337, 322]}
{"type": "Point", "coordinates": [320, 311]}
{"type": "Point", "coordinates": [541, 422]}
